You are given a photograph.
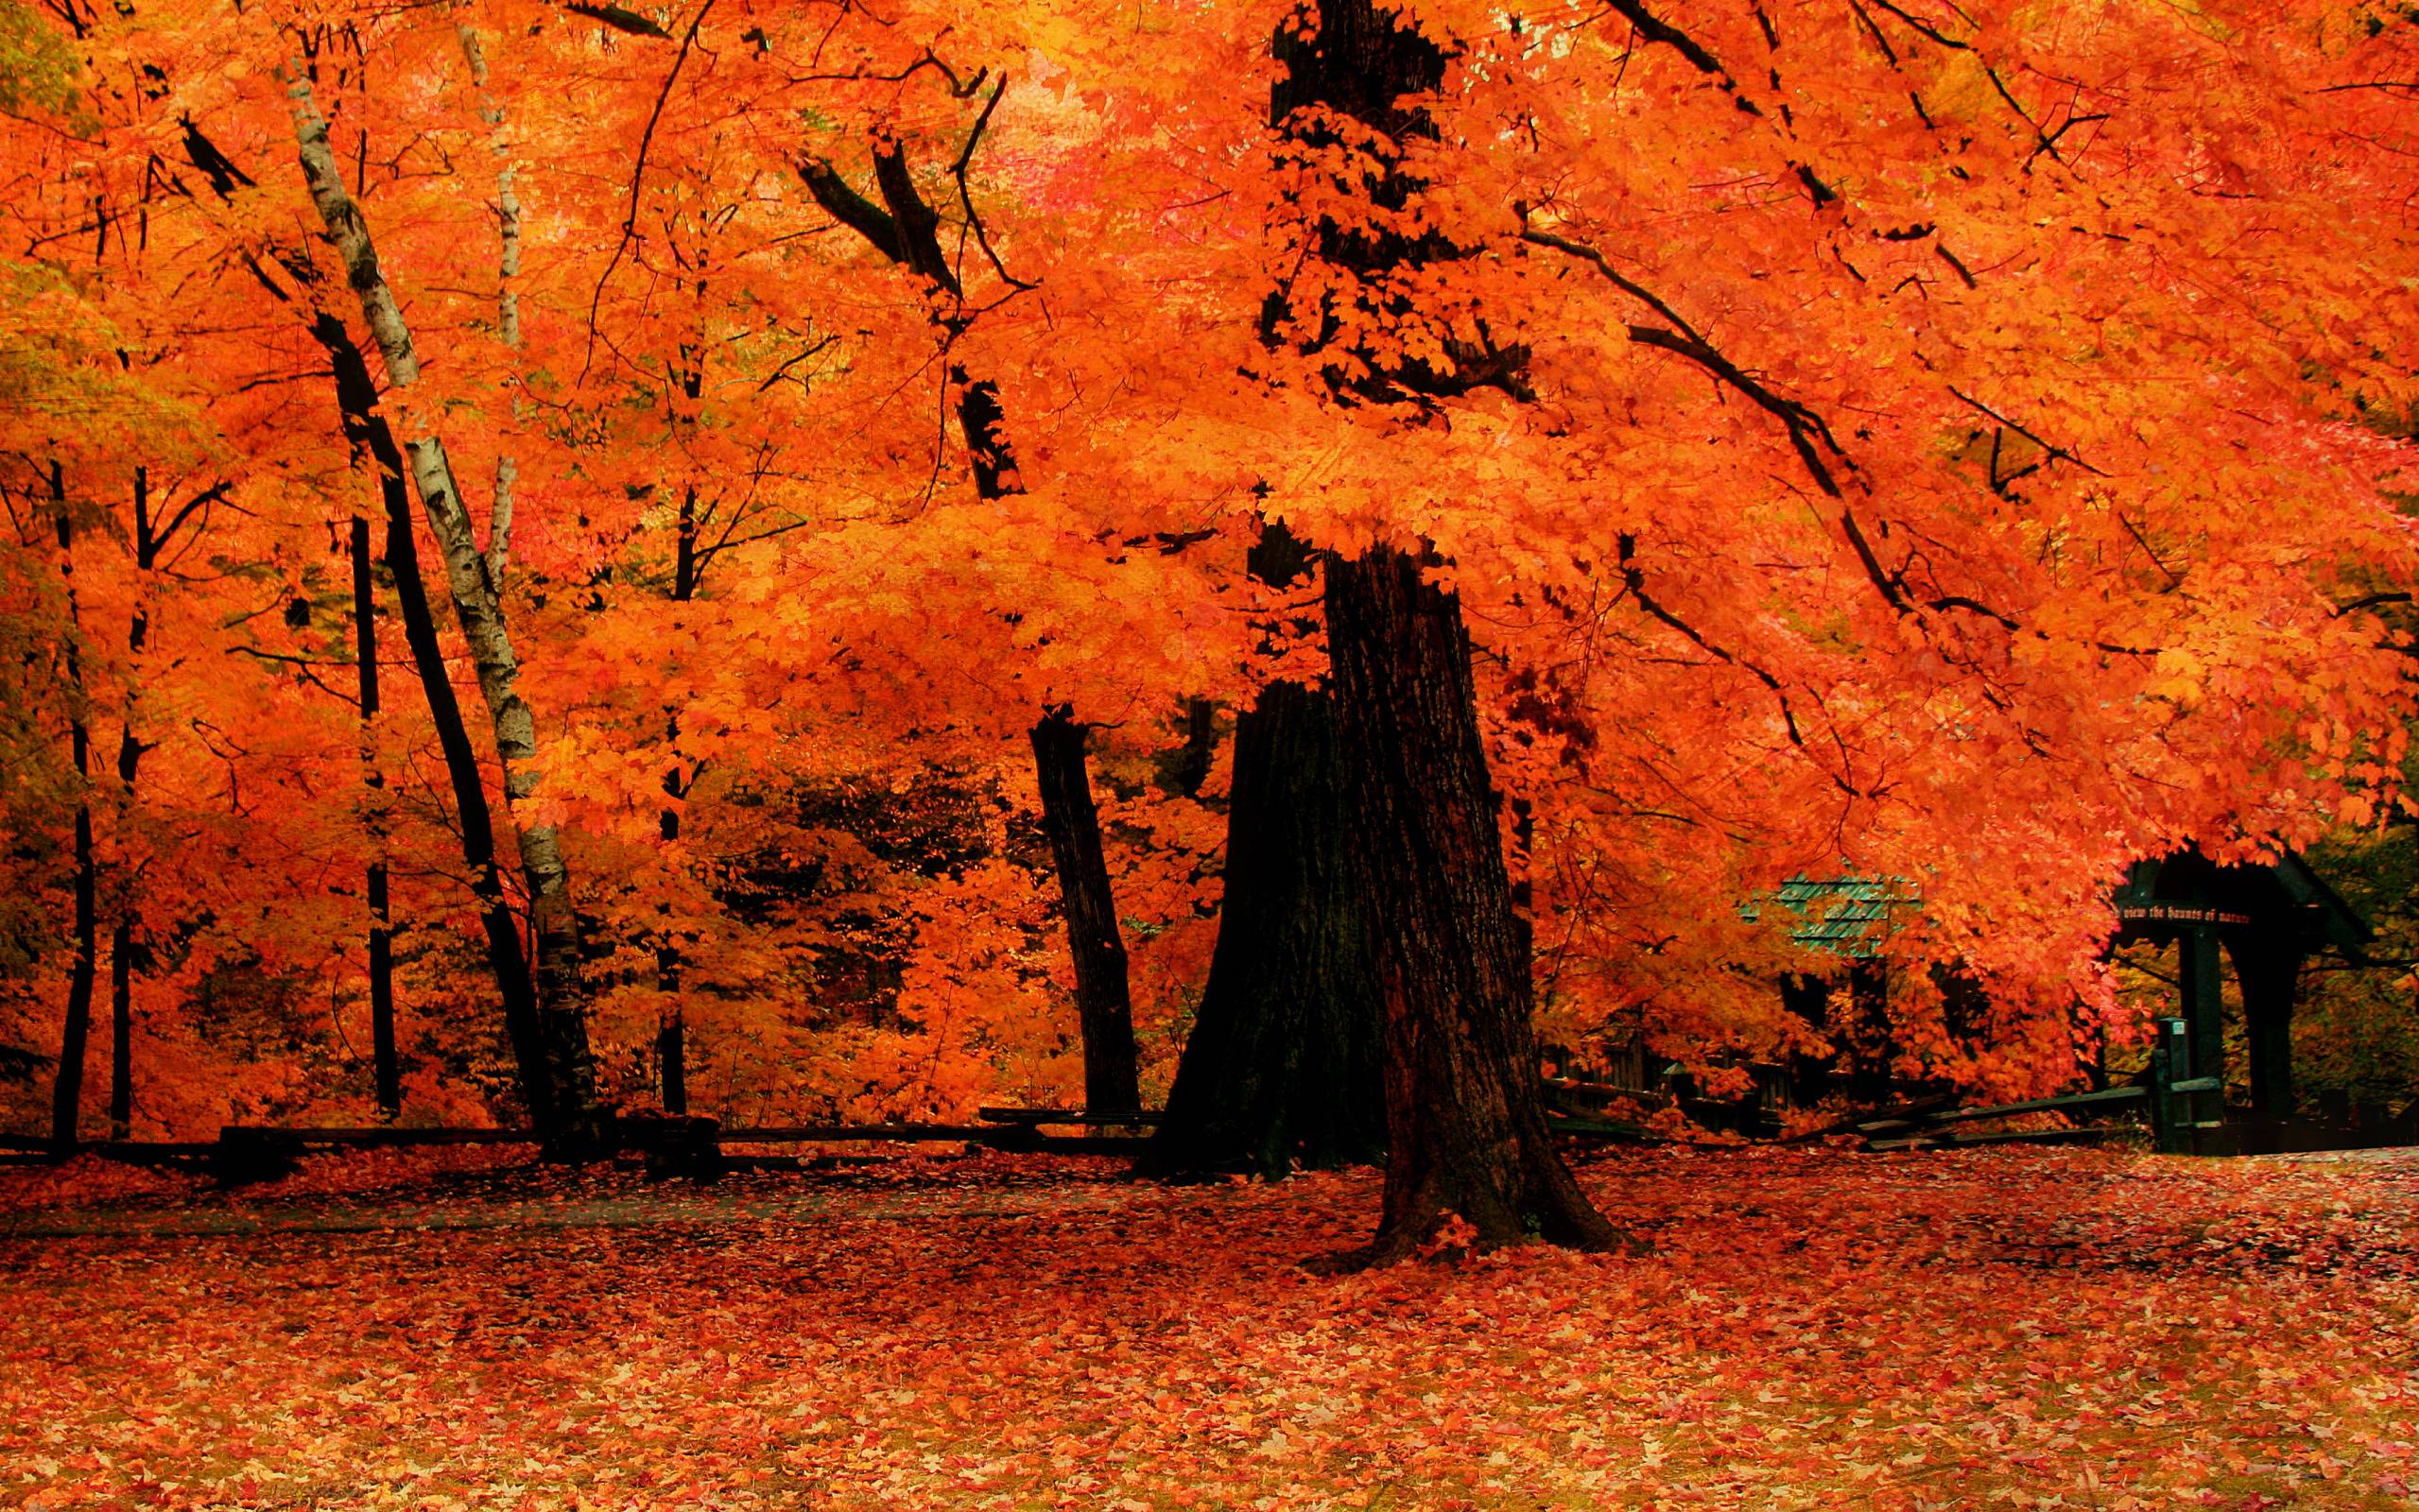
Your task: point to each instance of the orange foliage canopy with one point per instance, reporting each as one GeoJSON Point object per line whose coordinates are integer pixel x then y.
{"type": "Point", "coordinates": [1947, 441]}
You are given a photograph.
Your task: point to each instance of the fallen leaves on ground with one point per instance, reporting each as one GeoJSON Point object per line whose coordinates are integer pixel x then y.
{"type": "Point", "coordinates": [1813, 1328]}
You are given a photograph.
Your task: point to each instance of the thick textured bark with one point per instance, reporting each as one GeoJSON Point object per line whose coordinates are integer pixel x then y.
{"type": "Point", "coordinates": [67, 1090]}
{"type": "Point", "coordinates": [367, 429]}
{"type": "Point", "coordinates": [1284, 1064]}
{"type": "Point", "coordinates": [386, 1065]}
{"type": "Point", "coordinates": [1465, 1121]}
{"type": "Point", "coordinates": [1101, 1001]}
{"type": "Point", "coordinates": [561, 1010]}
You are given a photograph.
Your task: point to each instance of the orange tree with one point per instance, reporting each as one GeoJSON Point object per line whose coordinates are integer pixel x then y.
{"type": "Point", "coordinates": [1918, 436]}
{"type": "Point", "coordinates": [1910, 437]}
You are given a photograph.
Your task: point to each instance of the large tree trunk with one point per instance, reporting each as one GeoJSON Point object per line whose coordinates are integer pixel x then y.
{"type": "Point", "coordinates": [1100, 951]}
{"type": "Point", "coordinates": [386, 1065]}
{"type": "Point", "coordinates": [356, 400]}
{"type": "Point", "coordinates": [1466, 1120]}
{"type": "Point", "coordinates": [67, 1090]}
{"type": "Point", "coordinates": [1284, 1060]}
{"type": "Point", "coordinates": [1465, 1117]}
{"type": "Point", "coordinates": [561, 1008]}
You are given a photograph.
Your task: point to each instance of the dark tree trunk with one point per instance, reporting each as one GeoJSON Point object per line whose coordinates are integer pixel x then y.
{"type": "Point", "coordinates": [1867, 1036]}
{"type": "Point", "coordinates": [904, 229]}
{"type": "Point", "coordinates": [671, 1034]}
{"type": "Point", "coordinates": [122, 1027]}
{"type": "Point", "coordinates": [363, 424]}
{"type": "Point", "coordinates": [671, 1025]}
{"type": "Point", "coordinates": [1191, 769]}
{"type": "Point", "coordinates": [1465, 1117]}
{"type": "Point", "coordinates": [1102, 1001]}
{"type": "Point", "coordinates": [67, 1090]}
{"type": "Point", "coordinates": [1283, 1062]}
{"type": "Point", "coordinates": [685, 566]}
{"type": "Point", "coordinates": [386, 1065]}
{"type": "Point", "coordinates": [146, 538]}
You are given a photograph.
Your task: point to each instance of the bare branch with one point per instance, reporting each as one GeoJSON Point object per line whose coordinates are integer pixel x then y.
{"type": "Point", "coordinates": [638, 179]}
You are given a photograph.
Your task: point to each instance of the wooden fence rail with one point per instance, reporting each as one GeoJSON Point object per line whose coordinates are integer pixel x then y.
{"type": "Point", "coordinates": [701, 1145]}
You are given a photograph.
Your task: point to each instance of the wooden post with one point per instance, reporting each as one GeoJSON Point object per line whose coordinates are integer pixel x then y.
{"type": "Point", "coordinates": [2270, 973]}
{"type": "Point", "coordinates": [2204, 1011]}
{"type": "Point", "coordinates": [2170, 1118]}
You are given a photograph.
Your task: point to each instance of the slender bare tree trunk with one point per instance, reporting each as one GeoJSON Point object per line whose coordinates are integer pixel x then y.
{"type": "Point", "coordinates": [130, 761]}
{"type": "Point", "coordinates": [562, 1028]}
{"type": "Point", "coordinates": [67, 1090]}
{"type": "Point", "coordinates": [367, 431]}
{"type": "Point", "coordinates": [1101, 1000]}
{"type": "Point", "coordinates": [508, 298]}
{"type": "Point", "coordinates": [671, 1022]}
{"type": "Point", "coordinates": [385, 1064]}
{"type": "Point", "coordinates": [122, 973]}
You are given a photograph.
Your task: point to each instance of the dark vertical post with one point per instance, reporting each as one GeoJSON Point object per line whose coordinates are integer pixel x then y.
{"type": "Point", "coordinates": [2169, 1056]}
{"type": "Point", "coordinates": [2205, 1010]}
{"type": "Point", "coordinates": [2270, 975]}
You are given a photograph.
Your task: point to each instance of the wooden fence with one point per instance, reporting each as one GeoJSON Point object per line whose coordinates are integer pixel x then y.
{"type": "Point", "coordinates": [2178, 1108]}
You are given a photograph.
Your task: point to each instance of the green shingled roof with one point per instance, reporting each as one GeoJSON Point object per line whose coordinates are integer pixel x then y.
{"type": "Point", "coordinates": [1847, 915]}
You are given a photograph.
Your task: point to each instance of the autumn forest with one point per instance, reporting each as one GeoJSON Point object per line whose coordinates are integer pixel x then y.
{"type": "Point", "coordinates": [1203, 667]}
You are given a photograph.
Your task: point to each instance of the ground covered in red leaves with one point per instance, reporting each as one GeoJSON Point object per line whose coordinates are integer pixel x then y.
{"type": "Point", "coordinates": [1811, 1328]}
